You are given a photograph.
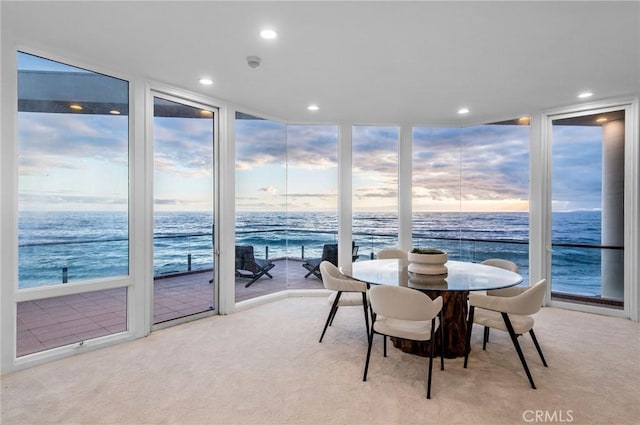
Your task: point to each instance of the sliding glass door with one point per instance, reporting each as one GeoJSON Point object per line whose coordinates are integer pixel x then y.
{"type": "Point", "coordinates": [184, 134]}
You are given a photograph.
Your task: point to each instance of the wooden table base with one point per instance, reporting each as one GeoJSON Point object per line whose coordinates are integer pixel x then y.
{"type": "Point", "coordinates": [454, 310]}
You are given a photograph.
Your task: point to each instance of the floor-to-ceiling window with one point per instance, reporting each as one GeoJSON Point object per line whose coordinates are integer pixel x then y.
{"type": "Point", "coordinates": [470, 191]}
{"type": "Point", "coordinates": [436, 188]}
{"type": "Point", "coordinates": [261, 204]}
{"type": "Point", "coordinates": [73, 204]}
{"type": "Point", "coordinates": [183, 260]}
{"type": "Point", "coordinates": [375, 188]}
{"type": "Point", "coordinates": [588, 208]}
{"type": "Point", "coordinates": [312, 190]}
{"type": "Point", "coordinates": [494, 192]}
{"type": "Point", "coordinates": [286, 203]}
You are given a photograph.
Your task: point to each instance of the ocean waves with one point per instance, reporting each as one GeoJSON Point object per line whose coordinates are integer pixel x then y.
{"type": "Point", "coordinates": [91, 245]}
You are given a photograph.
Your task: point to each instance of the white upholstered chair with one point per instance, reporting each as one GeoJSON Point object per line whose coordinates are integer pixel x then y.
{"type": "Point", "coordinates": [347, 292]}
{"type": "Point", "coordinates": [503, 264]}
{"type": "Point", "coordinates": [390, 253]}
{"type": "Point", "coordinates": [404, 313]}
{"type": "Point", "coordinates": [510, 311]}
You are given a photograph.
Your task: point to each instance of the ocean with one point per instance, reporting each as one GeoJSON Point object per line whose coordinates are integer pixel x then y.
{"type": "Point", "coordinates": [73, 246]}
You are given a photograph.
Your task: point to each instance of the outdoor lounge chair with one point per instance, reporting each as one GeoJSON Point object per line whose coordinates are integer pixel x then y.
{"type": "Point", "coordinates": [250, 267]}
{"type": "Point", "coordinates": [330, 254]}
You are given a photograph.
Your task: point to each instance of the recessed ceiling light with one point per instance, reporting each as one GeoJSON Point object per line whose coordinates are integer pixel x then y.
{"type": "Point", "coordinates": [585, 95]}
{"type": "Point", "coordinates": [206, 81]}
{"type": "Point", "coordinates": [206, 113]}
{"type": "Point", "coordinates": [313, 107]}
{"type": "Point", "coordinates": [114, 112]}
{"type": "Point", "coordinates": [463, 111]}
{"type": "Point", "coordinates": [76, 107]}
{"type": "Point", "coordinates": [268, 34]}
{"type": "Point", "coordinates": [602, 119]}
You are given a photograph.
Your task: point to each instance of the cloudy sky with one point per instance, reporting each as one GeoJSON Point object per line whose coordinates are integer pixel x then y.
{"type": "Point", "coordinates": [77, 161]}
{"type": "Point", "coordinates": [72, 162]}
{"type": "Point", "coordinates": [481, 168]}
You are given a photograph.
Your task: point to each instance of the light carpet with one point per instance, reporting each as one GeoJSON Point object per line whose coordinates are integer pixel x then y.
{"type": "Point", "coordinates": [265, 366]}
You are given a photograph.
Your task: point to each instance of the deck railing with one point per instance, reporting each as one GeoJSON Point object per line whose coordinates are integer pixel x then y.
{"type": "Point", "coordinates": [576, 266]}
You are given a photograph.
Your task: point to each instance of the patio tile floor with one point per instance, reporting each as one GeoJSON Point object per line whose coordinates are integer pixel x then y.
{"type": "Point", "coordinates": [54, 322]}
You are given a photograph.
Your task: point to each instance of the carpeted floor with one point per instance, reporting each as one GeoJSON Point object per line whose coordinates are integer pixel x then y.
{"type": "Point", "coordinates": [265, 366]}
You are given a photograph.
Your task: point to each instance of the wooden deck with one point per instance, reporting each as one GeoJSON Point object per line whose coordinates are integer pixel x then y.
{"type": "Point", "coordinates": [54, 322]}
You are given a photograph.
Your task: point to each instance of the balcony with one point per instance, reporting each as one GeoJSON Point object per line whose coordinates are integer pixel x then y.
{"type": "Point", "coordinates": [54, 322]}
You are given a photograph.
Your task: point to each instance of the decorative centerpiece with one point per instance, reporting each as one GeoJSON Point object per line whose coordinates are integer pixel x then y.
{"type": "Point", "coordinates": [422, 281]}
{"type": "Point", "coordinates": [427, 261]}
{"type": "Point", "coordinates": [428, 279]}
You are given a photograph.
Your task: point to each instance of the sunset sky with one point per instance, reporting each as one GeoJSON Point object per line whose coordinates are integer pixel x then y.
{"type": "Point", "coordinates": [484, 168]}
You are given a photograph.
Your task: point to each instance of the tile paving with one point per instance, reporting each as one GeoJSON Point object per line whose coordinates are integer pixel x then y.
{"type": "Point", "coordinates": [54, 322]}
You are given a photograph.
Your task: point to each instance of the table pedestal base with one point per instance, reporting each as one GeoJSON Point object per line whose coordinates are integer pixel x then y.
{"type": "Point", "coordinates": [454, 310]}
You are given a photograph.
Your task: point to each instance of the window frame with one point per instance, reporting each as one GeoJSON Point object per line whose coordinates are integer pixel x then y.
{"type": "Point", "coordinates": [168, 93]}
{"type": "Point", "coordinates": [11, 295]}
{"type": "Point", "coordinates": [543, 159]}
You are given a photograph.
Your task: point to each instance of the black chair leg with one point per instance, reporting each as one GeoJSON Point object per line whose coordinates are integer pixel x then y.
{"type": "Point", "coordinates": [433, 348]}
{"type": "Point", "coordinates": [366, 312]}
{"type": "Point", "coordinates": [316, 272]}
{"type": "Point", "coordinates": [514, 339]}
{"type": "Point", "coordinates": [332, 313]}
{"type": "Point", "coordinates": [441, 342]}
{"type": "Point", "coordinates": [384, 344]}
{"type": "Point", "coordinates": [535, 342]}
{"type": "Point", "coordinates": [366, 364]}
{"type": "Point", "coordinates": [256, 277]}
{"type": "Point", "coordinates": [469, 329]}
{"type": "Point", "coordinates": [485, 339]}
{"type": "Point", "coordinates": [313, 270]}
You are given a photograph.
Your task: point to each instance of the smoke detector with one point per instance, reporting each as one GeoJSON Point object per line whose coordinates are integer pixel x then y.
{"type": "Point", "coordinates": [253, 61]}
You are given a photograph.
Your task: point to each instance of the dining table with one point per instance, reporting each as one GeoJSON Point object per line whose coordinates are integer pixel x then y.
{"type": "Point", "coordinates": [461, 278]}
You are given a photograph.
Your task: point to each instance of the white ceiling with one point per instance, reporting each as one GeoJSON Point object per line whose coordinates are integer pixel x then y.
{"type": "Point", "coordinates": [361, 62]}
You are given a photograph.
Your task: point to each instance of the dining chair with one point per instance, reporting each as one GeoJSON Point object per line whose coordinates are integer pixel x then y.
{"type": "Point", "coordinates": [389, 253]}
{"type": "Point", "coordinates": [510, 312]}
{"type": "Point", "coordinates": [346, 292]}
{"type": "Point", "coordinates": [403, 312]}
{"type": "Point", "coordinates": [502, 264]}
{"type": "Point", "coordinates": [329, 253]}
